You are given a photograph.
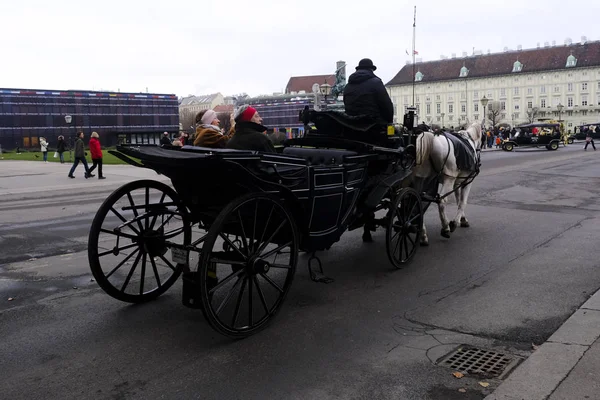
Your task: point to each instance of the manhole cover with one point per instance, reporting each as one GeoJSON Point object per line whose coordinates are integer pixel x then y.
{"type": "Point", "coordinates": [474, 361]}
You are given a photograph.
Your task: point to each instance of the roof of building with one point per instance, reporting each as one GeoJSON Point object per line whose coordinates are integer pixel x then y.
{"type": "Point", "coordinates": [228, 108]}
{"type": "Point", "coordinates": [299, 83]}
{"type": "Point", "coordinates": [203, 99]}
{"type": "Point", "coordinates": [487, 65]}
{"type": "Point", "coordinates": [89, 93]}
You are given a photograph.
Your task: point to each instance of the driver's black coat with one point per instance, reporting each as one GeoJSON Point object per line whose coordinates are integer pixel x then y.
{"type": "Point", "coordinates": [365, 94]}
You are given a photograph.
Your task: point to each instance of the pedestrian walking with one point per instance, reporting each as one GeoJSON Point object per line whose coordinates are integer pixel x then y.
{"type": "Point", "coordinates": [61, 147]}
{"type": "Point", "coordinates": [96, 151]}
{"type": "Point", "coordinates": [165, 139]}
{"type": "Point", "coordinates": [80, 157]}
{"type": "Point", "coordinates": [44, 147]}
{"type": "Point", "coordinates": [589, 140]}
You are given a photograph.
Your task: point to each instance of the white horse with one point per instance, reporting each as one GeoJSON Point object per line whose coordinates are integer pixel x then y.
{"type": "Point", "coordinates": [436, 160]}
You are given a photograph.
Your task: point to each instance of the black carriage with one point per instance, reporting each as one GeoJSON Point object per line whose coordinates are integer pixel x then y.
{"type": "Point", "coordinates": [588, 129]}
{"type": "Point", "coordinates": [547, 135]}
{"type": "Point", "coordinates": [236, 220]}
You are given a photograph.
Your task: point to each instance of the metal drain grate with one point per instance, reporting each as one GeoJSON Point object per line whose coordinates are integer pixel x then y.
{"type": "Point", "coordinates": [474, 361]}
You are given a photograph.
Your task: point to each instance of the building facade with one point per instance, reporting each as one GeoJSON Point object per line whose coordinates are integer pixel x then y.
{"type": "Point", "coordinates": [26, 115]}
{"type": "Point", "coordinates": [191, 105]}
{"type": "Point", "coordinates": [550, 82]}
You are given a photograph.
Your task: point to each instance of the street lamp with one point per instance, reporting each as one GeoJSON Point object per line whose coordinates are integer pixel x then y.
{"type": "Point", "coordinates": [443, 114]}
{"type": "Point", "coordinates": [68, 120]}
{"type": "Point", "coordinates": [326, 91]}
{"type": "Point", "coordinates": [484, 103]}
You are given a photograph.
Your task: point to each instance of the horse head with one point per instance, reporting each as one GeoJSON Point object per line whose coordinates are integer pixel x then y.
{"type": "Point", "coordinates": [473, 132]}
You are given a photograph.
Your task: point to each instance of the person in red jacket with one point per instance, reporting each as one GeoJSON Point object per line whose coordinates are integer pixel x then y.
{"type": "Point", "coordinates": [96, 151]}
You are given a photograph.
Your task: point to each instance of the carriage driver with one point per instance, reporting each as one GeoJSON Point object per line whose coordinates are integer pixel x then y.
{"type": "Point", "coordinates": [365, 94]}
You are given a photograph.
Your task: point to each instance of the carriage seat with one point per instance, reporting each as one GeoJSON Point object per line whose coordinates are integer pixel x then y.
{"type": "Point", "coordinates": [319, 156]}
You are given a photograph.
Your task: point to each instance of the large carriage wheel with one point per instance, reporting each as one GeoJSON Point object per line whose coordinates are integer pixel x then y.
{"type": "Point", "coordinates": [130, 246]}
{"type": "Point", "coordinates": [405, 222]}
{"type": "Point", "coordinates": [243, 287]}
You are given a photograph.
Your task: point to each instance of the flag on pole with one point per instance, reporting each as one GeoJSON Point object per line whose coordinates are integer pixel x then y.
{"type": "Point", "coordinates": [416, 52]}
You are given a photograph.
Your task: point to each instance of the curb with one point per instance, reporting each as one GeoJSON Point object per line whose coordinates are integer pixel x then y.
{"type": "Point", "coordinates": [539, 376]}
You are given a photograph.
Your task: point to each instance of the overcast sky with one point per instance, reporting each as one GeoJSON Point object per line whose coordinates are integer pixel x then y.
{"type": "Point", "coordinates": [232, 46]}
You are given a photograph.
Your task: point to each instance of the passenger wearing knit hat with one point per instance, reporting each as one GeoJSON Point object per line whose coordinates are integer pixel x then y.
{"type": "Point", "coordinates": [249, 131]}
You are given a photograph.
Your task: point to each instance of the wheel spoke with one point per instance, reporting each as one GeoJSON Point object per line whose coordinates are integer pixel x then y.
{"type": "Point", "coordinates": [135, 263]}
{"type": "Point", "coordinates": [122, 262]}
{"type": "Point", "coordinates": [162, 199]}
{"type": "Point", "coordinates": [135, 212]}
{"type": "Point", "coordinates": [254, 227]}
{"type": "Point", "coordinates": [261, 295]}
{"type": "Point", "coordinates": [119, 234]}
{"type": "Point", "coordinates": [250, 317]}
{"type": "Point", "coordinates": [238, 303]}
{"type": "Point", "coordinates": [224, 281]}
{"type": "Point", "coordinates": [275, 250]}
{"type": "Point", "coordinates": [197, 242]}
{"type": "Point", "coordinates": [244, 239]}
{"type": "Point", "coordinates": [146, 202]}
{"type": "Point", "coordinates": [280, 266]}
{"type": "Point", "coordinates": [165, 222]}
{"type": "Point", "coordinates": [266, 243]}
{"type": "Point", "coordinates": [228, 297]}
{"type": "Point", "coordinates": [155, 271]}
{"type": "Point", "coordinates": [118, 249]}
{"type": "Point", "coordinates": [266, 277]}
{"type": "Point", "coordinates": [124, 220]}
{"type": "Point", "coordinates": [143, 273]}
{"type": "Point", "coordinates": [262, 236]}
{"type": "Point", "coordinates": [405, 243]}
{"type": "Point", "coordinates": [224, 261]}
{"type": "Point", "coordinates": [233, 245]}
{"type": "Point", "coordinates": [167, 262]}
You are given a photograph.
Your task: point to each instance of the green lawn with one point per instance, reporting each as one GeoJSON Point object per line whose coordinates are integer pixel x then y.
{"type": "Point", "coordinates": [37, 156]}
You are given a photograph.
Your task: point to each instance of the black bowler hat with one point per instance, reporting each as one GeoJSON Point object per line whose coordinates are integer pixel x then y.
{"type": "Point", "coordinates": [366, 63]}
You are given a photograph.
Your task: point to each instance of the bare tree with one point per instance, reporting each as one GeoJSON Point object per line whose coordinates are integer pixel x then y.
{"type": "Point", "coordinates": [532, 113]}
{"type": "Point", "coordinates": [187, 118]}
{"type": "Point", "coordinates": [225, 119]}
{"type": "Point", "coordinates": [493, 113]}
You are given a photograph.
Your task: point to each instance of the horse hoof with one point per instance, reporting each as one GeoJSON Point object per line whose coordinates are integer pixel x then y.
{"type": "Point", "coordinates": [367, 238]}
{"type": "Point", "coordinates": [452, 226]}
{"type": "Point", "coordinates": [446, 233]}
{"type": "Point", "coordinates": [464, 224]}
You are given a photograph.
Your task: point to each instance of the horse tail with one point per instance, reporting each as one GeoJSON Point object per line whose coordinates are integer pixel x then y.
{"type": "Point", "coordinates": [424, 146]}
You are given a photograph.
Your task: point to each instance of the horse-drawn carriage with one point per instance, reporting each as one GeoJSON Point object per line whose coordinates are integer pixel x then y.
{"type": "Point", "coordinates": [236, 220]}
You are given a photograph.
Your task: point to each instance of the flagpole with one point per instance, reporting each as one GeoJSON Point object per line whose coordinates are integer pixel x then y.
{"type": "Point", "coordinates": [413, 55]}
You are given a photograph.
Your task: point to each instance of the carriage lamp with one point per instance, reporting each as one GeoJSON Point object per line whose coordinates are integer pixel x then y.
{"type": "Point", "coordinates": [326, 91]}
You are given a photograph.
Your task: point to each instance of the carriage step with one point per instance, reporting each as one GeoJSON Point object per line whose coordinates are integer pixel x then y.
{"type": "Point", "coordinates": [191, 290]}
{"type": "Point", "coordinates": [316, 271]}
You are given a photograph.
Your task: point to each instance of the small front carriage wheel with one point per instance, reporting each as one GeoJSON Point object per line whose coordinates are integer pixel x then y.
{"type": "Point", "coordinates": [243, 287]}
{"type": "Point", "coordinates": [134, 240]}
{"type": "Point", "coordinates": [405, 223]}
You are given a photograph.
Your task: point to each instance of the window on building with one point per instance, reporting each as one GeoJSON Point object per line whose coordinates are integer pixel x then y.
{"type": "Point", "coordinates": [569, 113]}
{"type": "Point", "coordinates": [463, 117]}
{"type": "Point", "coordinates": [427, 98]}
{"type": "Point", "coordinates": [598, 85]}
{"type": "Point", "coordinates": [428, 108]}
{"type": "Point", "coordinates": [438, 119]}
{"type": "Point", "coordinates": [569, 102]}
{"type": "Point", "coordinates": [556, 89]}
{"type": "Point", "coordinates": [516, 107]}
{"type": "Point", "coordinates": [438, 108]}
{"type": "Point", "coordinates": [584, 113]}
{"type": "Point", "coordinates": [555, 101]}
{"type": "Point", "coordinates": [529, 90]}
{"type": "Point", "coordinates": [570, 124]}
{"type": "Point", "coordinates": [542, 114]}
{"type": "Point", "coordinates": [516, 115]}
{"type": "Point", "coordinates": [569, 87]}
{"type": "Point", "coordinates": [530, 104]}
{"type": "Point", "coordinates": [450, 108]}
{"type": "Point", "coordinates": [449, 85]}
{"type": "Point", "coordinates": [490, 95]}
{"type": "Point", "coordinates": [417, 97]}
{"type": "Point", "coordinates": [476, 107]}
{"type": "Point", "coordinates": [437, 97]}
{"type": "Point", "coordinates": [543, 103]}
{"type": "Point", "coordinates": [584, 100]}
{"type": "Point", "coordinates": [476, 93]}
{"type": "Point", "coordinates": [476, 116]}
{"type": "Point", "coordinates": [463, 108]}
{"type": "Point", "coordinates": [516, 90]}
{"type": "Point", "coordinates": [503, 105]}
{"type": "Point", "coordinates": [502, 92]}
{"type": "Point", "coordinates": [584, 86]}
{"type": "Point", "coordinates": [503, 116]}
{"type": "Point", "coordinates": [543, 89]}
{"type": "Point", "coordinates": [450, 97]}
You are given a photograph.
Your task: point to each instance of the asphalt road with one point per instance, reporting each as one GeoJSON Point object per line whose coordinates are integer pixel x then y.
{"type": "Point", "coordinates": [506, 283]}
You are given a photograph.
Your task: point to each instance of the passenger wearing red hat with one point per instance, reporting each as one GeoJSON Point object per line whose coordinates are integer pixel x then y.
{"type": "Point", "coordinates": [249, 132]}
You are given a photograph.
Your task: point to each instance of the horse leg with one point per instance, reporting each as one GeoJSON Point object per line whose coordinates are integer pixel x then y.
{"type": "Point", "coordinates": [464, 223]}
{"type": "Point", "coordinates": [424, 240]}
{"type": "Point", "coordinates": [457, 196]}
{"type": "Point", "coordinates": [447, 184]}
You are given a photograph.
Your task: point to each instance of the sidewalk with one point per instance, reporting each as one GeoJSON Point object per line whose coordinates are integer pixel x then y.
{"type": "Point", "coordinates": [565, 367]}
{"type": "Point", "coordinates": [33, 179]}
